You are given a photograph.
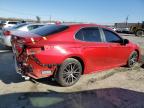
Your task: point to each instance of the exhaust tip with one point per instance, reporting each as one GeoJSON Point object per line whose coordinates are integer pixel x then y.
{"type": "Point", "coordinates": [26, 77]}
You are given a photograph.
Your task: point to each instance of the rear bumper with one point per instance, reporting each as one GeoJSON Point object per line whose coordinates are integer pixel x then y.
{"type": "Point", "coordinates": [19, 71]}
{"type": "Point", "coordinates": [33, 70]}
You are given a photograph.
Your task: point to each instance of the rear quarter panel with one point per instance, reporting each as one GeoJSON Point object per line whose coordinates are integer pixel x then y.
{"type": "Point", "coordinates": [56, 54]}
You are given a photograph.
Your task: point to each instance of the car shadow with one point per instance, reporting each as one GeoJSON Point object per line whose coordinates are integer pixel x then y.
{"type": "Point", "coordinates": [7, 71]}
{"type": "Point", "coordinates": [98, 98]}
{"type": "Point", "coordinates": [142, 66]}
{"type": "Point", "coordinates": [49, 81]}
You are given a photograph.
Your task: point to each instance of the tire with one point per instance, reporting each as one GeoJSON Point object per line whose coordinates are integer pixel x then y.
{"type": "Point", "coordinates": [69, 72]}
{"type": "Point", "coordinates": [140, 33]}
{"type": "Point", "coordinates": [133, 59]}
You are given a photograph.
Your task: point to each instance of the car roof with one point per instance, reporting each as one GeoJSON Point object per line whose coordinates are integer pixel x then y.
{"type": "Point", "coordinates": [83, 25]}
{"type": "Point", "coordinates": [13, 27]}
{"type": "Point", "coordinates": [36, 24]}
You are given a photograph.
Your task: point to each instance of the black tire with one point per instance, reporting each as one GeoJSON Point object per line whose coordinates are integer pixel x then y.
{"type": "Point", "coordinates": [139, 33]}
{"type": "Point", "coordinates": [69, 72]}
{"type": "Point", "coordinates": [133, 59]}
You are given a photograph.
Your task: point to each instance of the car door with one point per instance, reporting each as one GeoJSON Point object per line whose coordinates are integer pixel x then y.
{"type": "Point", "coordinates": [118, 52]}
{"type": "Point", "coordinates": [94, 50]}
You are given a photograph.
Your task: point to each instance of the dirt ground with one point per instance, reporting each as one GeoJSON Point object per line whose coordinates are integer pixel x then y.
{"type": "Point", "coordinates": [116, 88]}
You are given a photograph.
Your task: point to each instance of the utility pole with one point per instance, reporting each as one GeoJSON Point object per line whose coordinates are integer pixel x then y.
{"type": "Point", "coordinates": [127, 18]}
{"type": "Point", "coordinates": [50, 19]}
{"type": "Point", "coordinates": [38, 19]}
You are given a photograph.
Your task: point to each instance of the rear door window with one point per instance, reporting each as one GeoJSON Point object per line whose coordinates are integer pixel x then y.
{"type": "Point", "coordinates": [90, 34]}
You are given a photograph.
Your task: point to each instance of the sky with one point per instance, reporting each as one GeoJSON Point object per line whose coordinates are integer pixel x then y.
{"type": "Point", "coordinates": [95, 11]}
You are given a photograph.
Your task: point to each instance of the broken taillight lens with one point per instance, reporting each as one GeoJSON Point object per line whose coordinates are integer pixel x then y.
{"type": "Point", "coordinates": [32, 51]}
{"type": "Point", "coordinates": [7, 33]}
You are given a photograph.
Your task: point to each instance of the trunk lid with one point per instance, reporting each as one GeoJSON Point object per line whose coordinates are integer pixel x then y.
{"type": "Point", "coordinates": [25, 37]}
{"type": "Point", "coordinates": [20, 40]}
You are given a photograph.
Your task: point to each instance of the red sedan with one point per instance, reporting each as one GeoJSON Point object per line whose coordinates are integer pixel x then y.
{"type": "Point", "coordinates": [68, 51]}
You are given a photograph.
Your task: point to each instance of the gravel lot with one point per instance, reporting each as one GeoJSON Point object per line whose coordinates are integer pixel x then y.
{"type": "Point", "coordinates": [116, 88]}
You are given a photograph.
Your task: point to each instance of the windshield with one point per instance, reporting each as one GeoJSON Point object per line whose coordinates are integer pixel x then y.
{"type": "Point", "coordinates": [49, 29]}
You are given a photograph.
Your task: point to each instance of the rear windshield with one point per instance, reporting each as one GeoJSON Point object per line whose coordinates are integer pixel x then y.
{"type": "Point", "coordinates": [49, 29]}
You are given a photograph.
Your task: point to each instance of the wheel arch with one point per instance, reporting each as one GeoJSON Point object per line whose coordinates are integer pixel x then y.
{"type": "Point", "coordinates": [138, 53]}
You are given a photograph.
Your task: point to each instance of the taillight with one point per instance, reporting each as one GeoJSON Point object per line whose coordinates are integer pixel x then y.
{"type": "Point", "coordinates": [7, 33]}
{"type": "Point", "coordinates": [31, 51]}
{"type": "Point", "coordinates": [35, 50]}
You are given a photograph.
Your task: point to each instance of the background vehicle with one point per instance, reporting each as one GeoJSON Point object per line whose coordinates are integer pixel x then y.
{"type": "Point", "coordinates": [123, 30]}
{"type": "Point", "coordinates": [6, 32]}
{"type": "Point", "coordinates": [7, 24]}
{"type": "Point", "coordinates": [138, 29]}
{"type": "Point", "coordinates": [113, 28]}
{"type": "Point", "coordinates": [28, 27]}
{"type": "Point", "coordinates": [68, 51]}
{"type": "Point", "coordinates": [1, 24]}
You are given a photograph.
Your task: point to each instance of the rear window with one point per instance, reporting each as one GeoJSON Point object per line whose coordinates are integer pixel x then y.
{"type": "Point", "coordinates": [49, 29]}
{"type": "Point", "coordinates": [12, 22]}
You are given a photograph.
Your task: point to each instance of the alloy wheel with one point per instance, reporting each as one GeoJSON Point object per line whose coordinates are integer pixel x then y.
{"type": "Point", "coordinates": [133, 59]}
{"type": "Point", "coordinates": [71, 73]}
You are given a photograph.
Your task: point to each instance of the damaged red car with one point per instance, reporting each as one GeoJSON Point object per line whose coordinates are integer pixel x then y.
{"type": "Point", "coordinates": [67, 51]}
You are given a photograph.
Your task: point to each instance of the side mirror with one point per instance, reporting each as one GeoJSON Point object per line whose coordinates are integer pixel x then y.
{"type": "Point", "coordinates": [125, 41]}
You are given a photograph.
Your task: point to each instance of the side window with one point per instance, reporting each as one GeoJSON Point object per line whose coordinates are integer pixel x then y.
{"type": "Point", "coordinates": [80, 35]}
{"type": "Point", "coordinates": [32, 27]}
{"type": "Point", "coordinates": [111, 37]}
{"type": "Point", "coordinates": [90, 34]}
